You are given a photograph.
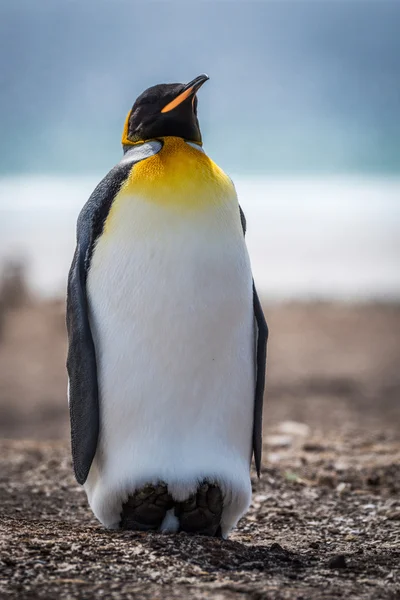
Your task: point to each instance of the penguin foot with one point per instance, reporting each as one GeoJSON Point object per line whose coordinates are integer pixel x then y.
{"type": "Point", "coordinates": [145, 510]}
{"type": "Point", "coordinates": [201, 513]}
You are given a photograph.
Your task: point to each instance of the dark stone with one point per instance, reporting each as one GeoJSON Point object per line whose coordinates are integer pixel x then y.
{"type": "Point", "coordinates": [337, 562]}
{"type": "Point", "coordinates": [275, 547]}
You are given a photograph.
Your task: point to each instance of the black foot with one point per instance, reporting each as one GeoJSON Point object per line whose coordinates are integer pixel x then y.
{"type": "Point", "coordinates": [201, 512]}
{"type": "Point", "coordinates": [145, 509]}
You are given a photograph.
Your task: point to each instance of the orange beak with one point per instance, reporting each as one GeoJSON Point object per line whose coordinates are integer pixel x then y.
{"type": "Point", "coordinates": [190, 89]}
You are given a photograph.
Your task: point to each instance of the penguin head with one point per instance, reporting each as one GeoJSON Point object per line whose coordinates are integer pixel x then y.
{"type": "Point", "coordinates": [168, 109]}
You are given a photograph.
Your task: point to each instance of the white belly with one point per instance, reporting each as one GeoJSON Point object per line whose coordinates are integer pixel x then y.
{"type": "Point", "coordinates": [170, 296]}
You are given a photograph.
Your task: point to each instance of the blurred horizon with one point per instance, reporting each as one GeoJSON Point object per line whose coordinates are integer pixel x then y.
{"type": "Point", "coordinates": [295, 87]}
{"type": "Point", "coordinates": [309, 238]}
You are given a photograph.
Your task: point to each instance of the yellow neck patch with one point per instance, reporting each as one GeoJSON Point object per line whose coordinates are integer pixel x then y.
{"type": "Point", "coordinates": [179, 175]}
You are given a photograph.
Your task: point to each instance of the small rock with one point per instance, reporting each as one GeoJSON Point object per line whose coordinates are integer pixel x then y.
{"type": "Point", "coordinates": [340, 466]}
{"type": "Point", "coordinates": [260, 498]}
{"type": "Point", "coordinates": [313, 447]}
{"type": "Point", "coordinates": [273, 457]}
{"type": "Point", "coordinates": [275, 547]}
{"type": "Point", "coordinates": [390, 575]}
{"type": "Point", "coordinates": [373, 480]}
{"type": "Point", "coordinates": [279, 441]}
{"type": "Point", "coordinates": [326, 478]}
{"type": "Point", "coordinates": [337, 562]}
{"type": "Point", "coordinates": [294, 428]}
{"type": "Point", "coordinates": [341, 487]}
{"type": "Point", "coordinates": [393, 515]}
{"type": "Point", "coordinates": [314, 545]}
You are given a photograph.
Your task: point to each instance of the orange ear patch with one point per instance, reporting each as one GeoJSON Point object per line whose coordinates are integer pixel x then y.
{"type": "Point", "coordinates": [177, 101]}
{"type": "Point", "coordinates": [125, 141]}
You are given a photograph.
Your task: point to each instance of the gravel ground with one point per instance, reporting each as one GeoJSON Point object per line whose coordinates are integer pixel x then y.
{"type": "Point", "coordinates": [325, 517]}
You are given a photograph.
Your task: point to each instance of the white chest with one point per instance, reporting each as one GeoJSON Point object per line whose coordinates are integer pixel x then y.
{"type": "Point", "coordinates": [171, 309]}
{"type": "Point", "coordinates": [160, 268]}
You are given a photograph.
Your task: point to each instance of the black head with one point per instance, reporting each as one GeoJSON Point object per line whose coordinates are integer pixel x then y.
{"type": "Point", "coordinates": [165, 109]}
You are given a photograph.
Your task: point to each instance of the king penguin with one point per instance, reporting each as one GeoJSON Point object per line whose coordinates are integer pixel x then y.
{"type": "Point", "coordinates": [167, 337]}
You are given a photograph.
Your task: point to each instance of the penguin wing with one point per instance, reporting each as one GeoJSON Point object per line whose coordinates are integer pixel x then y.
{"type": "Point", "coordinates": [81, 360]}
{"type": "Point", "coordinates": [261, 358]}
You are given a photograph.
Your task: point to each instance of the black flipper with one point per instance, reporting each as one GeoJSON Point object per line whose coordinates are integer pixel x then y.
{"type": "Point", "coordinates": [261, 354]}
{"type": "Point", "coordinates": [81, 361]}
{"type": "Point", "coordinates": [261, 358]}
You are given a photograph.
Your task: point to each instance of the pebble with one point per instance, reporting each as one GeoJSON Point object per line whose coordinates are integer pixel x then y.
{"type": "Point", "coordinates": [341, 487]}
{"type": "Point", "coordinates": [279, 441]}
{"type": "Point", "coordinates": [294, 428]}
{"type": "Point", "coordinates": [337, 562]}
{"type": "Point", "coordinates": [313, 447]}
{"type": "Point", "coordinates": [326, 478]}
{"type": "Point", "coordinates": [393, 515]}
{"type": "Point", "coordinates": [275, 547]}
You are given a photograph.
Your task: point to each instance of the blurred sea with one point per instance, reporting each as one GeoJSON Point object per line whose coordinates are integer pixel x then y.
{"type": "Point", "coordinates": [308, 237]}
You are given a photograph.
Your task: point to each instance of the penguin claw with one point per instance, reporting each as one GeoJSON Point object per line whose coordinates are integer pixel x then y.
{"type": "Point", "coordinates": [201, 513]}
{"type": "Point", "coordinates": [146, 508]}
